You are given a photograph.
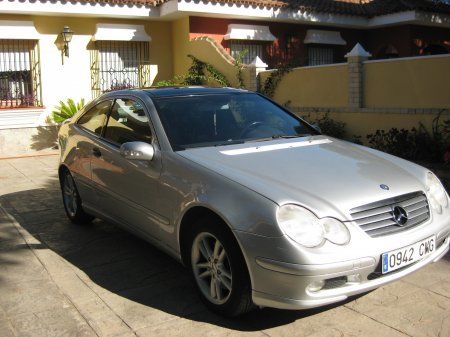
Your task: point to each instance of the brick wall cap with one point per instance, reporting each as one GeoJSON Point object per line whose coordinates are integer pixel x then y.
{"type": "Point", "coordinates": [358, 51]}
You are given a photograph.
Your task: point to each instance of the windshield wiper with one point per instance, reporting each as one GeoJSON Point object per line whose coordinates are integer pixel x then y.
{"type": "Point", "coordinates": [230, 142]}
{"type": "Point", "coordinates": [290, 136]}
{"type": "Point", "coordinates": [265, 139]}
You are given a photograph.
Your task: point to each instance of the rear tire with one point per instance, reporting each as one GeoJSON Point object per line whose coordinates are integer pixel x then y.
{"type": "Point", "coordinates": [72, 201]}
{"type": "Point", "coordinates": [219, 269]}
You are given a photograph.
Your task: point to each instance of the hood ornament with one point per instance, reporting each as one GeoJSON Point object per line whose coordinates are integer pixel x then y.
{"type": "Point", "coordinates": [384, 187]}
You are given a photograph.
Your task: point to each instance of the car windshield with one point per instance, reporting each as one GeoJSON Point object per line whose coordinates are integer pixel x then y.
{"type": "Point", "coordinates": [223, 119]}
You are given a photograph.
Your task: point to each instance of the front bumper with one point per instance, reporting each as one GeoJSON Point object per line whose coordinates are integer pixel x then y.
{"type": "Point", "coordinates": [364, 267]}
{"type": "Point", "coordinates": [285, 285]}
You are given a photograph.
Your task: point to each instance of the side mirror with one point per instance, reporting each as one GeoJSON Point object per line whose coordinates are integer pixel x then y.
{"type": "Point", "coordinates": [316, 127]}
{"type": "Point", "coordinates": [137, 151]}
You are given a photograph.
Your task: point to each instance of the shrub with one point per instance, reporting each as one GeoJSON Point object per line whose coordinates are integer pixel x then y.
{"type": "Point", "coordinates": [239, 66]}
{"type": "Point", "coordinates": [331, 127]}
{"type": "Point", "coordinates": [67, 110]}
{"type": "Point", "coordinates": [165, 83]}
{"type": "Point", "coordinates": [416, 144]}
{"type": "Point", "coordinates": [199, 73]}
{"type": "Point", "coordinates": [328, 126]}
{"type": "Point", "coordinates": [177, 80]}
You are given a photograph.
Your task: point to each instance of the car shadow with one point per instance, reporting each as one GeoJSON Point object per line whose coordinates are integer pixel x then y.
{"type": "Point", "coordinates": [125, 265]}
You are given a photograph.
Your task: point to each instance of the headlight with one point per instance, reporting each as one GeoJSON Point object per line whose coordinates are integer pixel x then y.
{"type": "Point", "coordinates": [438, 196]}
{"type": "Point", "coordinates": [335, 231]}
{"type": "Point", "coordinates": [305, 228]}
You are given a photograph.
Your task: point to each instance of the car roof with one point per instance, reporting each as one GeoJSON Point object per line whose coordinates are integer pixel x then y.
{"type": "Point", "coordinates": [188, 90]}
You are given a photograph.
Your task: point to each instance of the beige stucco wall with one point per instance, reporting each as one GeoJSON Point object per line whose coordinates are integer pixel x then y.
{"type": "Point", "coordinates": [408, 83]}
{"type": "Point", "coordinates": [73, 79]}
{"type": "Point", "coordinates": [364, 123]}
{"type": "Point", "coordinates": [203, 48]}
{"type": "Point", "coordinates": [323, 86]}
{"type": "Point", "coordinates": [180, 45]}
{"type": "Point", "coordinates": [208, 51]}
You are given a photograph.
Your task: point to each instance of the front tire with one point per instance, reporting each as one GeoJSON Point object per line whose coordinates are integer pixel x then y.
{"type": "Point", "coordinates": [72, 201]}
{"type": "Point", "coordinates": [219, 269]}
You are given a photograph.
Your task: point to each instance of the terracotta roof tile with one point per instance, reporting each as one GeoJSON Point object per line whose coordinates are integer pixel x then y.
{"type": "Point", "coordinates": [367, 8]}
{"type": "Point", "coordinates": [147, 3]}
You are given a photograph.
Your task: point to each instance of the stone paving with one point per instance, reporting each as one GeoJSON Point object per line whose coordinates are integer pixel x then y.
{"type": "Point", "coordinates": [58, 279]}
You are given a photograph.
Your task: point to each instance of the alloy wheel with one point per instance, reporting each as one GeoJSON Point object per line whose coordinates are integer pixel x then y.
{"type": "Point", "coordinates": [211, 266]}
{"type": "Point", "coordinates": [70, 195]}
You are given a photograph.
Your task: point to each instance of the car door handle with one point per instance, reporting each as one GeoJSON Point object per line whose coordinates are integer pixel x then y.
{"type": "Point", "coordinates": [96, 152]}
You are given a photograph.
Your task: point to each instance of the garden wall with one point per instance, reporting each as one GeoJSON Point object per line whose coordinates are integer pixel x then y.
{"type": "Point", "coordinates": [322, 86]}
{"type": "Point", "coordinates": [400, 93]}
{"type": "Point", "coordinates": [207, 50]}
{"type": "Point", "coordinates": [416, 82]}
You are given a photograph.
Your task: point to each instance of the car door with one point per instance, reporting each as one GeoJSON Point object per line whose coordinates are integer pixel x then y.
{"type": "Point", "coordinates": [129, 188]}
{"type": "Point", "coordinates": [85, 131]}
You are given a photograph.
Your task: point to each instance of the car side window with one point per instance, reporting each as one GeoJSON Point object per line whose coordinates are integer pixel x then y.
{"type": "Point", "coordinates": [128, 122]}
{"type": "Point", "coordinates": [94, 119]}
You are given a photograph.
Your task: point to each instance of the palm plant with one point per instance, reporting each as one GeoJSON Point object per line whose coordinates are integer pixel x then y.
{"type": "Point", "coordinates": [66, 110]}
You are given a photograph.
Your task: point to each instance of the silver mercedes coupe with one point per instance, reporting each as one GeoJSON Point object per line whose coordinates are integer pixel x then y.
{"type": "Point", "coordinates": [261, 207]}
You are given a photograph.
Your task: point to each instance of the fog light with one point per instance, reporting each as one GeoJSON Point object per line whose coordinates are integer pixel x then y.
{"type": "Point", "coordinates": [355, 278]}
{"type": "Point", "coordinates": [315, 286]}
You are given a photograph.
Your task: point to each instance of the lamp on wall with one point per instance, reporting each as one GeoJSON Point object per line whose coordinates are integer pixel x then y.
{"type": "Point", "coordinates": [67, 35]}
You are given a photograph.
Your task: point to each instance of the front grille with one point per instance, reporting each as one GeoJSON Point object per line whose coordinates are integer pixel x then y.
{"type": "Point", "coordinates": [377, 218]}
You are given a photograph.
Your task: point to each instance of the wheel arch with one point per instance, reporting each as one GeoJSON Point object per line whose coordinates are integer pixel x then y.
{"type": "Point", "coordinates": [188, 221]}
{"type": "Point", "coordinates": [61, 169]}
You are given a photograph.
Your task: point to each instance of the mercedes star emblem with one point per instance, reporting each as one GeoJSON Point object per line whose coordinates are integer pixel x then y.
{"type": "Point", "coordinates": [400, 215]}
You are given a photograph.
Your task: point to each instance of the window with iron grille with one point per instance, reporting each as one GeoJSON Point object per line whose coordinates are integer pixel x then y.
{"type": "Point", "coordinates": [320, 55]}
{"type": "Point", "coordinates": [20, 75]}
{"type": "Point", "coordinates": [119, 65]}
{"type": "Point", "coordinates": [253, 50]}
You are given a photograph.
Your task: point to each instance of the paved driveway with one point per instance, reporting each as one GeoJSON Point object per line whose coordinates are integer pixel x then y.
{"type": "Point", "coordinates": [58, 279]}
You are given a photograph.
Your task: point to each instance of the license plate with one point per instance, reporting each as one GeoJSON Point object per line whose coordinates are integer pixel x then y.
{"type": "Point", "coordinates": [405, 256]}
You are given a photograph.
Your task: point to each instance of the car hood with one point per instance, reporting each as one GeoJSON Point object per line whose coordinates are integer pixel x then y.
{"type": "Point", "coordinates": [326, 175]}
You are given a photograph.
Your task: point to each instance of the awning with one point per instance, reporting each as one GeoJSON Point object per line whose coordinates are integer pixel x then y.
{"type": "Point", "coordinates": [324, 37]}
{"type": "Point", "coordinates": [18, 30]}
{"type": "Point", "coordinates": [249, 32]}
{"type": "Point", "coordinates": [120, 32]}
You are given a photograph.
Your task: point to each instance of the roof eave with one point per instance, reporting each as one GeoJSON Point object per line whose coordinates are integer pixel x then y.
{"type": "Point", "coordinates": [82, 9]}
{"type": "Point", "coordinates": [174, 9]}
{"type": "Point", "coordinates": [410, 17]}
{"type": "Point", "coordinates": [177, 8]}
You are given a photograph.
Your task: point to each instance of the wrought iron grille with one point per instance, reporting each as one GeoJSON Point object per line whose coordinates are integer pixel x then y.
{"type": "Point", "coordinates": [253, 50]}
{"type": "Point", "coordinates": [20, 75]}
{"type": "Point", "coordinates": [119, 65]}
{"type": "Point", "coordinates": [320, 55]}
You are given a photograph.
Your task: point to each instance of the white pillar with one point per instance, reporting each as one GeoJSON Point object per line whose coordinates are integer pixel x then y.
{"type": "Point", "coordinates": [355, 59]}
{"type": "Point", "coordinates": [255, 68]}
